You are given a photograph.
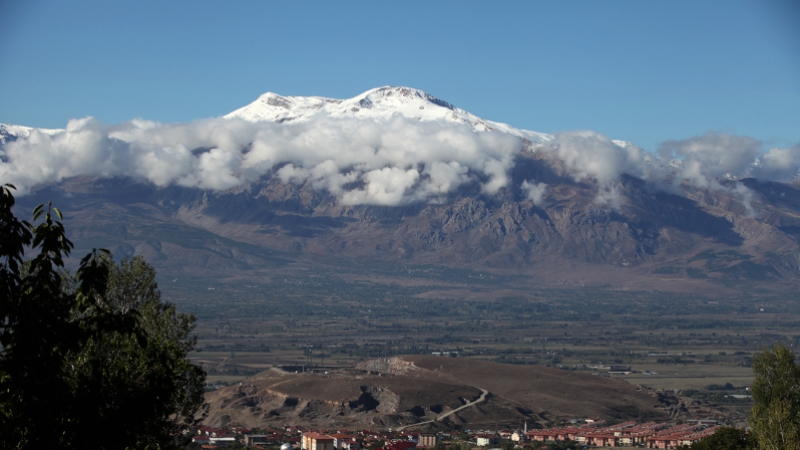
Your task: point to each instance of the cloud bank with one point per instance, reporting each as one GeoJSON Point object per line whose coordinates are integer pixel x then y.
{"type": "Point", "coordinates": [381, 162]}
{"type": "Point", "coordinates": [399, 160]}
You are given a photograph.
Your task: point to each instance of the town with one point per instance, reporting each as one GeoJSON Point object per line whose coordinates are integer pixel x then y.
{"type": "Point", "coordinates": [579, 433]}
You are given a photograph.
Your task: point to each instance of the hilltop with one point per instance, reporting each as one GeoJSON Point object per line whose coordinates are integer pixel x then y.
{"type": "Point", "coordinates": [407, 390]}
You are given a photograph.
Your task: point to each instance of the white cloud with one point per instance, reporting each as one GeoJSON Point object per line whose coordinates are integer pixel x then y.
{"type": "Point", "coordinates": [398, 159]}
{"type": "Point", "coordinates": [385, 186]}
{"type": "Point", "coordinates": [535, 191]}
{"type": "Point", "coordinates": [290, 173]}
{"type": "Point", "coordinates": [587, 155]}
{"type": "Point", "coordinates": [712, 155]}
{"type": "Point", "coordinates": [780, 164]}
{"type": "Point", "coordinates": [385, 162]}
{"type": "Point", "coordinates": [746, 196]}
{"type": "Point", "coordinates": [445, 176]}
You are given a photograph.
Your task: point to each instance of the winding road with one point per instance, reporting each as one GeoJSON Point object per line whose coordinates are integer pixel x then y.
{"type": "Point", "coordinates": [484, 393]}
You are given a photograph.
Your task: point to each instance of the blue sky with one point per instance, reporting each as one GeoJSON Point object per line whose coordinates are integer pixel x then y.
{"type": "Point", "coordinates": [642, 71]}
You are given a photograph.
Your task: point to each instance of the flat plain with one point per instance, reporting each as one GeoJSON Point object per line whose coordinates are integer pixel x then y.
{"type": "Point", "coordinates": [698, 346]}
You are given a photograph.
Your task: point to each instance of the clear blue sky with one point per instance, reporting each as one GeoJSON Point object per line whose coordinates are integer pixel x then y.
{"type": "Point", "coordinates": [643, 71]}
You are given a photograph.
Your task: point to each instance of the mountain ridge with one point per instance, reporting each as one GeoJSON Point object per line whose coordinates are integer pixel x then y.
{"type": "Point", "coordinates": [379, 184]}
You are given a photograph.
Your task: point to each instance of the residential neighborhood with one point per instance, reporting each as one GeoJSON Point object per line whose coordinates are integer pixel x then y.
{"type": "Point", "coordinates": [584, 433]}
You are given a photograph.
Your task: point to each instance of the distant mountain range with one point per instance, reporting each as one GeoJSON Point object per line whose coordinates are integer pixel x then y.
{"type": "Point", "coordinates": [410, 179]}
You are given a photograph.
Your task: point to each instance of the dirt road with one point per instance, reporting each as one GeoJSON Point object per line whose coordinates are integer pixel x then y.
{"type": "Point", "coordinates": [484, 393]}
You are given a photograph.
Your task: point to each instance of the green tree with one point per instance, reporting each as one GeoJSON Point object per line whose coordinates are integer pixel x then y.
{"type": "Point", "coordinates": [41, 327]}
{"type": "Point", "coordinates": [90, 361]}
{"type": "Point", "coordinates": [775, 417]}
{"type": "Point", "coordinates": [726, 438]}
{"type": "Point", "coordinates": [156, 391]}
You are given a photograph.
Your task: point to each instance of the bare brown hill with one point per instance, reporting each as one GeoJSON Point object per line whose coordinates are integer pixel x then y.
{"type": "Point", "coordinates": [556, 392]}
{"type": "Point", "coordinates": [409, 390]}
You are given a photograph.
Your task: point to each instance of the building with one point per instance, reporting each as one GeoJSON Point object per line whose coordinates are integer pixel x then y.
{"type": "Point", "coordinates": [427, 440]}
{"type": "Point", "coordinates": [256, 439]}
{"type": "Point", "coordinates": [650, 435]}
{"type": "Point", "coordinates": [485, 440]}
{"type": "Point", "coordinates": [316, 441]}
{"type": "Point", "coordinates": [343, 441]}
{"type": "Point", "coordinates": [220, 441]}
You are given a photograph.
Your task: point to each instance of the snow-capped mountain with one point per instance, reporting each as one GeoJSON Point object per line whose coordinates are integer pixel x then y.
{"type": "Point", "coordinates": [423, 183]}
{"type": "Point", "coordinates": [379, 103]}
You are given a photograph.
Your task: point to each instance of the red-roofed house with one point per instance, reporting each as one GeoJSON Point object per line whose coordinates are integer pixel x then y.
{"type": "Point", "coordinates": [316, 441]}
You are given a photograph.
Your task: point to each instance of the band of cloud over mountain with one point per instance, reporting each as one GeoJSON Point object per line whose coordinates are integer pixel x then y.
{"type": "Point", "coordinates": [388, 160]}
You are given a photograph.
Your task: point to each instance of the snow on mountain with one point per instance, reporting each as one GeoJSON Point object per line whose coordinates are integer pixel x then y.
{"type": "Point", "coordinates": [9, 133]}
{"type": "Point", "coordinates": [379, 103]}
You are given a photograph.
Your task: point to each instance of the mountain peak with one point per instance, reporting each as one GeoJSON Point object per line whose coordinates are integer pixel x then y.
{"type": "Point", "coordinates": [274, 99]}
{"type": "Point", "coordinates": [403, 94]}
{"type": "Point", "coordinates": [278, 108]}
{"type": "Point", "coordinates": [381, 103]}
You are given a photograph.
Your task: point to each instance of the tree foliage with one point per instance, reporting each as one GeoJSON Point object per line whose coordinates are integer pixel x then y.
{"type": "Point", "coordinates": [726, 438]}
{"type": "Point", "coordinates": [775, 417]}
{"type": "Point", "coordinates": [94, 360]}
{"type": "Point", "coordinates": [157, 392]}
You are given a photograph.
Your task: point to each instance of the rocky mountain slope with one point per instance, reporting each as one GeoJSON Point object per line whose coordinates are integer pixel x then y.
{"type": "Point", "coordinates": [704, 241]}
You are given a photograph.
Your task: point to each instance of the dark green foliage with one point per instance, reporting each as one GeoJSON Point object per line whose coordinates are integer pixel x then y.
{"type": "Point", "coordinates": [726, 438]}
{"type": "Point", "coordinates": [775, 416]}
{"type": "Point", "coordinates": [90, 361]}
{"type": "Point", "coordinates": [42, 329]}
{"type": "Point", "coordinates": [154, 389]}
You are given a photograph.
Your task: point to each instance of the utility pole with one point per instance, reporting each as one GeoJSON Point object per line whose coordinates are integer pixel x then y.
{"type": "Point", "coordinates": [308, 360]}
